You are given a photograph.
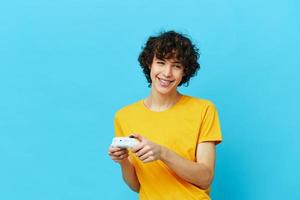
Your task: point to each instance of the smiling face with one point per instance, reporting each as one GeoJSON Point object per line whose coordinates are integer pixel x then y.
{"type": "Point", "coordinates": [166, 74]}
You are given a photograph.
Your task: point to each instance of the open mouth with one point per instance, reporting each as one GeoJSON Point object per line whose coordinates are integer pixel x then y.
{"type": "Point", "coordinates": [164, 82]}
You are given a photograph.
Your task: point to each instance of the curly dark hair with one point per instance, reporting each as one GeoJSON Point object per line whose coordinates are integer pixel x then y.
{"type": "Point", "coordinates": [170, 45]}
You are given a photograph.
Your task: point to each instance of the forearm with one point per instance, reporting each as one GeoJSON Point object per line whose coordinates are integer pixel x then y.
{"type": "Point", "coordinates": [129, 175]}
{"type": "Point", "coordinates": [196, 173]}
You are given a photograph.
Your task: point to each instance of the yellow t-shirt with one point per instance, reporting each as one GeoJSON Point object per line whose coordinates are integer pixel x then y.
{"type": "Point", "coordinates": [180, 128]}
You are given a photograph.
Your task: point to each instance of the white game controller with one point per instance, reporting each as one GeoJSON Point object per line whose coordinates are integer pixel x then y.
{"type": "Point", "coordinates": [124, 142]}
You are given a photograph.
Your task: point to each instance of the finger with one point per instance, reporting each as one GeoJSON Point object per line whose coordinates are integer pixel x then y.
{"type": "Point", "coordinates": [120, 157]}
{"type": "Point", "coordinates": [142, 151]}
{"type": "Point", "coordinates": [137, 136]}
{"type": "Point", "coordinates": [114, 149]}
{"type": "Point", "coordinates": [149, 159]}
{"type": "Point", "coordinates": [118, 153]}
{"type": "Point", "coordinates": [123, 156]}
{"type": "Point", "coordinates": [146, 155]}
{"type": "Point", "coordinates": [138, 147]}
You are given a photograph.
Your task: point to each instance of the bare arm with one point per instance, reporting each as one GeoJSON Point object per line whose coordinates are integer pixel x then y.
{"type": "Point", "coordinates": [128, 171]}
{"type": "Point", "coordinates": [199, 173]}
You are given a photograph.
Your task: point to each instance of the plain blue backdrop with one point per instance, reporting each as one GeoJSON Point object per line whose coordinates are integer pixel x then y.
{"type": "Point", "coordinates": [67, 66]}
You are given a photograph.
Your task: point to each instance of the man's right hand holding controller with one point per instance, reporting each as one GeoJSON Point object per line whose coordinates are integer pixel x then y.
{"type": "Point", "coordinates": [118, 149]}
{"type": "Point", "coordinates": [118, 154]}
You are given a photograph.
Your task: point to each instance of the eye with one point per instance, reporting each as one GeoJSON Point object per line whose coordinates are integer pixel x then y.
{"type": "Point", "coordinates": [160, 62]}
{"type": "Point", "coordinates": [178, 66]}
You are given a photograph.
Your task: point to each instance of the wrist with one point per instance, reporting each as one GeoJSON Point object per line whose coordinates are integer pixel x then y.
{"type": "Point", "coordinates": [124, 162]}
{"type": "Point", "coordinates": [163, 153]}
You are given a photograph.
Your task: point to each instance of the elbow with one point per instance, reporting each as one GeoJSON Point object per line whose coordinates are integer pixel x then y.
{"type": "Point", "coordinates": [135, 188]}
{"type": "Point", "coordinates": [204, 186]}
{"type": "Point", "coordinates": [205, 181]}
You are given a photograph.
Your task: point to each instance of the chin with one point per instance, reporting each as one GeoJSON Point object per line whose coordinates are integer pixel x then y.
{"type": "Point", "coordinates": [164, 91]}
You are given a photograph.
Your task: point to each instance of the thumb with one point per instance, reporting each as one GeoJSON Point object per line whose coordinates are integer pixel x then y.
{"type": "Point", "coordinates": [137, 136]}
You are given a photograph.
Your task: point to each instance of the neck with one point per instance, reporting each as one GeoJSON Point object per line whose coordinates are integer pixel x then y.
{"type": "Point", "coordinates": [159, 102]}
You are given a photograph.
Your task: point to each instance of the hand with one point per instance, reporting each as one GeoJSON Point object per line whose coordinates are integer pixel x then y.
{"type": "Point", "coordinates": [118, 154]}
{"type": "Point", "coordinates": [146, 150]}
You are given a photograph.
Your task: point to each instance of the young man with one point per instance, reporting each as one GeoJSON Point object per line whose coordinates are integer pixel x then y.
{"type": "Point", "coordinates": [178, 134]}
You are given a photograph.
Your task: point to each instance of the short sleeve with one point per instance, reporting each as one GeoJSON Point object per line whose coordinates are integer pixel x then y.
{"type": "Point", "coordinates": [118, 127]}
{"type": "Point", "coordinates": [210, 129]}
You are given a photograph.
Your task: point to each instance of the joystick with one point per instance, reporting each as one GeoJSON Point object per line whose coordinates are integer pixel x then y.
{"type": "Point", "coordinates": [124, 142]}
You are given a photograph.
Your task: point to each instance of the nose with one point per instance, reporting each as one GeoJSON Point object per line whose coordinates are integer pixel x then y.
{"type": "Point", "coordinates": [167, 71]}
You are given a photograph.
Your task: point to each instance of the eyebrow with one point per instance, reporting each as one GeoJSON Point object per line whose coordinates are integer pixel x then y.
{"type": "Point", "coordinates": [163, 59]}
{"type": "Point", "coordinates": [176, 62]}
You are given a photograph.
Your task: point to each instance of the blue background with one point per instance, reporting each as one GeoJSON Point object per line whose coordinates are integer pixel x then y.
{"type": "Point", "coordinates": [67, 66]}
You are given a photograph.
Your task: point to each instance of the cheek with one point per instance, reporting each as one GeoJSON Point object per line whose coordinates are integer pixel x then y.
{"type": "Point", "coordinates": [180, 76]}
{"type": "Point", "coordinates": [152, 75]}
{"type": "Point", "coordinates": [153, 72]}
